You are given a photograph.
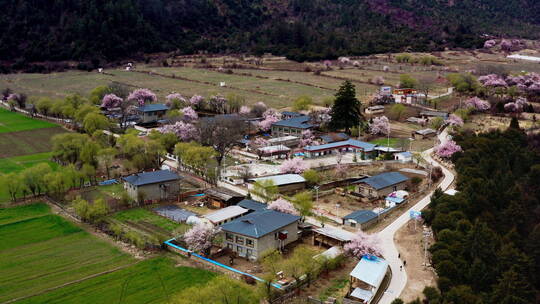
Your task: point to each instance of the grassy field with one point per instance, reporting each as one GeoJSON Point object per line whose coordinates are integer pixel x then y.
{"type": "Point", "coordinates": [46, 259]}
{"type": "Point", "coordinates": [151, 281]}
{"type": "Point", "coordinates": [27, 142]}
{"type": "Point", "coordinates": [13, 122]}
{"type": "Point", "coordinates": [19, 163]}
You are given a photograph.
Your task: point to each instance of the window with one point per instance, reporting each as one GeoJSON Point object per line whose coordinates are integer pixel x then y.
{"type": "Point", "coordinates": [229, 237]}
{"type": "Point", "coordinates": [353, 224]}
{"type": "Point", "coordinates": [394, 188]}
{"type": "Point", "coordinates": [250, 242]}
{"type": "Point", "coordinates": [275, 236]}
{"type": "Point", "coordinates": [240, 240]}
{"type": "Point", "coordinates": [240, 249]}
{"type": "Point", "coordinates": [230, 246]}
{"type": "Point", "coordinates": [249, 252]}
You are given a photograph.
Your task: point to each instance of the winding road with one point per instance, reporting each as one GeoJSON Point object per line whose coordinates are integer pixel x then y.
{"type": "Point", "coordinates": [386, 236]}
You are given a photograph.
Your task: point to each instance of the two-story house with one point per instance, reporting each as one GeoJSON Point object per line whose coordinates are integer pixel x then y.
{"type": "Point", "coordinates": [151, 113]}
{"type": "Point", "coordinates": [253, 234]}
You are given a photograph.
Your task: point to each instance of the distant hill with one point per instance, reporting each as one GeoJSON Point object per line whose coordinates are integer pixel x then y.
{"type": "Point", "coordinates": [37, 30]}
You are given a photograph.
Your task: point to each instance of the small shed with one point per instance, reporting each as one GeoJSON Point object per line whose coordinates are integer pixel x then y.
{"type": "Point", "coordinates": [284, 182]}
{"type": "Point", "coordinates": [403, 157]}
{"type": "Point", "coordinates": [225, 215]}
{"type": "Point", "coordinates": [424, 133]}
{"type": "Point", "coordinates": [220, 197]}
{"type": "Point", "coordinates": [360, 219]}
{"type": "Point", "coordinates": [330, 237]}
{"type": "Point", "coordinates": [374, 109]}
{"type": "Point", "coordinates": [366, 278]}
{"type": "Point", "coordinates": [273, 151]}
{"type": "Point", "coordinates": [451, 192]}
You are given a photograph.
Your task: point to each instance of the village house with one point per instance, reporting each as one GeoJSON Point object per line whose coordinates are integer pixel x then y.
{"type": "Point", "coordinates": [151, 113]}
{"type": "Point", "coordinates": [155, 185]}
{"type": "Point", "coordinates": [407, 96]}
{"type": "Point", "coordinates": [403, 157]}
{"type": "Point", "coordinates": [381, 185]}
{"type": "Point", "coordinates": [433, 114]}
{"type": "Point", "coordinates": [366, 278]}
{"type": "Point", "coordinates": [374, 110]}
{"type": "Point", "coordinates": [292, 126]}
{"type": "Point", "coordinates": [360, 219]}
{"type": "Point", "coordinates": [220, 197]}
{"type": "Point", "coordinates": [289, 114]}
{"type": "Point", "coordinates": [225, 215]}
{"type": "Point", "coordinates": [285, 182]}
{"type": "Point", "coordinates": [364, 149]}
{"type": "Point", "coordinates": [251, 235]}
{"type": "Point", "coordinates": [333, 137]}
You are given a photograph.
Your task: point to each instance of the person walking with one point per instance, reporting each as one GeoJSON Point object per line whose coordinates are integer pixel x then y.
{"type": "Point", "coordinates": [404, 263]}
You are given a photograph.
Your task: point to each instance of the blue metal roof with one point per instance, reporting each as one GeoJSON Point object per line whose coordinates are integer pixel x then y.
{"type": "Point", "coordinates": [329, 138]}
{"type": "Point", "coordinates": [260, 223]}
{"type": "Point", "coordinates": [350, 142]}
{"type": "Point", "coordinates": [146, 178]}
{"type": "Point", "coordinates": [252, 205]}
{"type": "Point", "coordinates": [300, 122]}
{"type": "Point", "coordinates": [383, 180]}
{"type": "Point", "coordinates": [361, 216]}
{"type": "Point", "coordinates": [153, 107]}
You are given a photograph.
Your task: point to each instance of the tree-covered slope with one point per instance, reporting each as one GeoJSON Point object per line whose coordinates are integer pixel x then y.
{"type": "Point", "coordinates": [37, 30]}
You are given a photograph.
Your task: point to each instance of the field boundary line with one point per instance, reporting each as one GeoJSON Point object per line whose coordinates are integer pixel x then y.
{"type": "Point", "coordinates": [70, 283]}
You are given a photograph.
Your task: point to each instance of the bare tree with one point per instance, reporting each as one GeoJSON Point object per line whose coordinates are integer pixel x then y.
{"type": "Point", "coordinates": [221, 132]}
{"type": "Point", "coordinates": [425, 85]}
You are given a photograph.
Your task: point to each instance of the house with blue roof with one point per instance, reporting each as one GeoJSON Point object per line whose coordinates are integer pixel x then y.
{"type": "Point", "coordinates": [364, 149]}
{"type": "Point", "coordinates": [155, 185]}
{"type": "Point", "coordinates": [366, 279]}
{"type": "Point", "coordinates": [152, 112]}
{"type": "Point", "coordinates": [253, 234]}
{"type": "Point", "coordinates": [360, 219]}
{"type": "Point", "coordinates": [380, 185]}
{"type": "Point", "coordinates": [252, 205]}
{"type": "Point", "coordinates": [293, 126]}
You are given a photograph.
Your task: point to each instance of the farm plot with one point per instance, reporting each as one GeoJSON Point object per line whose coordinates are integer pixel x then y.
{"type": "Point", "coordinates": [41, 251]}
{"type": "Point", "coordinates": [147, 223]}
{"type": "Point", "coordinates": [151, 281]}
{"type": "Point", "coordinates": [13, 122]}
{"type": "Point", "coordinates": [27, 142]}
{"type": "Point", "coordinates": [19, 163]}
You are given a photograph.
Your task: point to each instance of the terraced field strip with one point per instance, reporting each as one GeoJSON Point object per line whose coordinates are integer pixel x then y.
{"type": "Point", "coordinates": [41, 251]}
{"type": "Point", "coordinates": [19, 163]}
{"type": "Point", "coordinates": [13, 122]}
{"type": "Point", "coordinates": [27, 142]}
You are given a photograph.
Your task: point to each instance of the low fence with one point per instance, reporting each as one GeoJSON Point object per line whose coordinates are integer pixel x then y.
{"type": "Point", "coordinates": [213, 264]}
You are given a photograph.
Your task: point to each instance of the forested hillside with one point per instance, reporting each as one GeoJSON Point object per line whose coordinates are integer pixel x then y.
{"type": "Point", "coordinates": [36, 30]}
{"type": "Point", "coordinates": [488, 235]}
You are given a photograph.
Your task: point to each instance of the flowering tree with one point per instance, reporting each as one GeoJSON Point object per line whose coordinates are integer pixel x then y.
{"type": "Point", "coordinates": [258, 109]}
{"type": "Point", "coordinates": [490, 43]}
{"type": "Point", "coordinates": [455, 121]}
{"type": "Point", "coordinates": [344, 60]}
{"type": "Point", "coordinates": [199, 238]}
{"type": "Point", "coordinates": [447, 149]}
{"type": "Point", "coordinates": [270, 117]}
{"type": "Point", "coordinates": [142, 96]}
{"type": "Point", "coordinates": [189, 114]}
{"type": "Point", "coordinates": [175, 100]}
{"type": "Point", "coordinates": [492, 80]}
{"type": "Point", "coordinates": [259, 142]}
{"type": "Point", "coordinates": [244, 110]}
{"type": "Point", "coordinates": [327, 64]}
{"type": "Point", "coordinates": [380, 125]}
{"type": "Point", "coordinates": [516, 106]}
{"type": "Point", "coordinates": [506, 45]}
{"type": "Point", "coordinates": [217, 104]}
{"type": "Point", "coordinates": [477, 104]}
{"type": "Point", "coordinates": [362, 244]}
{"type": "Point", "coordinates": [111, 101]}
{"type": "Point", "coordinates": [386, 68]}
{"type": "Point", "coordinates": [293, 165]}
{"type": "Point", "coordinates": [307, 138]}
{"type": "Point", "coordinates": [196, 101]}
{"type": "Point", "coordinates": [282, 205]}
{"type": "Point", "coordinates": [341, 170]}
{"type": "Point", "coordinates": [184, 131]}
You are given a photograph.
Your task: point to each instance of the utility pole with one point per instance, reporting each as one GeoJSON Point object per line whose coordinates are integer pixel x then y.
{"type": "Point", "coordinates": [316, 193]}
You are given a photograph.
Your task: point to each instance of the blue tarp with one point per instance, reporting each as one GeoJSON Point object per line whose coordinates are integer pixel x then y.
{"type": "Point", "coordinates": [108, 182]}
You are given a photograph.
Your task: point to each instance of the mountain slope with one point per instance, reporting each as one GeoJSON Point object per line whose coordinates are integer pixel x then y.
{"type": "Point", "coordinates": [36, 30]}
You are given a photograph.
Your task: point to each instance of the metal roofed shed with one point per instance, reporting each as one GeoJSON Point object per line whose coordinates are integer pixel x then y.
{"type": "Point", "coordinates": [330, 253]}
{"type": "Point", "coordinates": [367, 277]}
{"type": "Point", "coordinates": [225, 215]}
{"type": "Point", "coordinates": [153, 107]}
{"type": "Point", "coordinates": [403, 156]}
{"type": "Point", "coordinates": [451, 192]}
{"type": "Point", "coordinates": [334, 137]}
{"type": "Point", "coordinates": [434, 114]}
{"type": "Point", "coordinates": [288, 141]}
{"type": "Point", "coordinates": [273, 150]}
{"type": "Point", "coordinates": [284, 182]}
{"type": "Point", "coordinates": [360, 218]}
{"type": "Point", "coordinates": [424, 133]}
{"type": "Point", "coordinates": [220, 197]}
{"type": "Point", "coordinates": [330, 236]}
{"type": "Point", "coordinates": [252, 205]}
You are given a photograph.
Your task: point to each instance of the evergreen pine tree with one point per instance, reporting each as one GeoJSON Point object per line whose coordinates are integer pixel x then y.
{"type": "Point", "coordinates": [346, 109]}
{"type": "Point", "coordinates": [514, 123]}
{"type": "Point", "coordinates": [513, 288]}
